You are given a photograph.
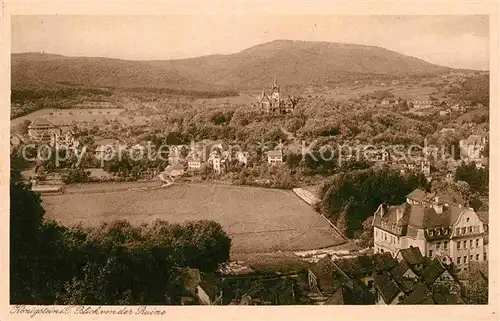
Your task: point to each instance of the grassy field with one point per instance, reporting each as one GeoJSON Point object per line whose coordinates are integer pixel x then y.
{"type": "Point", "coordinates": [257, 219]}
{"type": "Point", "coordinates": [66, 116]}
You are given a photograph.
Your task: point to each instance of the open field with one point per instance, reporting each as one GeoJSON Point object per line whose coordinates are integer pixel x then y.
{"type": "Point", "coordinates": [257, 219]}
{"type": "Point", "coordinates": [66, 116]}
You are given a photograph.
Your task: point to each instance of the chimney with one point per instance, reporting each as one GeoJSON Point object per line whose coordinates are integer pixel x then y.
{"type": "Point", "coordinates": [399, 214]}
{"type": "Point", "coordinates": [383, 209]}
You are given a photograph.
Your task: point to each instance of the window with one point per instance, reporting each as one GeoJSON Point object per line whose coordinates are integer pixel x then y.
{"type": "Point", "coordinates": [445, 232]}
{"type": "Point", "coordinates": [445, 245]}
{"type": "Point", "coordinates": [438, 232]}
{"type": "Point", "coordinates": [477, 257]}
{"type": "Point", "coordinates": [467, 219]}
{"type": "Point", "coordinates": [459, 243]}
{"type": "Point", "coordinates": [438, 245]}
{"type": "Point", "coordinates": [430, 253]}
{"type": "Point", "coordinates": [477, 242]}
{"type": "Point", "coordinates": [465, 259]}
{"type": "Point", "coordinates": [457, 230]}
{"type": "Point", "coordinates": [470, 244]}
{"type": "Point", "coordinates": [431, 233]}
{"type": "Point", "coordinates": [471, 258]}
{"type": "Point", "coordinates": [464, 230]}
{"type": "Point", "coordinates": [385, 236]}
{"type": "Point", "coordinates": [470, 229]}
{"type": "Point", "coordinates": [484, 256]}
{"type": "Point", "coordinates": [458, 260]}
{"type": "Point", "coordinates": [465, 244]}
{"type": "Point", "coordinates": [382, 250]}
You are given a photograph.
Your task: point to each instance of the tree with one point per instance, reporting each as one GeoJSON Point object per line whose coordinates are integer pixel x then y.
{"type": "Point", "coordinates": [477, 179]}
{"type": "Point", "coordinates": [359, 193]}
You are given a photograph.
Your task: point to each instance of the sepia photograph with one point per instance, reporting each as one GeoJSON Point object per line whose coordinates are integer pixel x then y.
{"type": "Point", "coordinates": [175, 160]}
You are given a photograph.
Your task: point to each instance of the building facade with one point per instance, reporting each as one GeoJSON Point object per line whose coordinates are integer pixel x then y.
{"type": "Point", "coordinates": [42, 130]}
{"type": "Point", "coordinates": [438, 227]}
{"type": "Point", "coordinates": [274, 103]}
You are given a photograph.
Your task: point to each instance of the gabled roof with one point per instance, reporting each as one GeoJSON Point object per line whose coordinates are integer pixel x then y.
{"type": "Point", "coordinates": [432, 271]}
{"type": "Point", "coordinates": [406, 284]}
{"type": "Point", "coordinates": [336, 298]}
{"type": "Point", "coordinates": [383, 261]}
{"type": "Point", "coordinates": [275, 153]}
{"type": "Point", "coordinates": [40, 122]}
{"type": "Point", "coordinates": [412, 255]}
{"type": "Point", "coordinates": [420, 295]}
{"type": "Point", "coordinates": [386, 286]}
{"type": "Point", "coordinates": [418, 195]}
{"type": "Point", "coordinates": [323, 270]}
{"type": "Point", "coordinates": [357, 266]}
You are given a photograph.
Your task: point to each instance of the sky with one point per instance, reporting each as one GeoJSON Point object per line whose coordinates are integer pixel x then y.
{"type": "Point", "coordinates": [452, 40]}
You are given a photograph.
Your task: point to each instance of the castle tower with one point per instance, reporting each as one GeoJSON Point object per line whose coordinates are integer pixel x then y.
{"type": "Point", "coordinates": [276, 91]}
{"type": "Point", "coordinates": [276, 87]}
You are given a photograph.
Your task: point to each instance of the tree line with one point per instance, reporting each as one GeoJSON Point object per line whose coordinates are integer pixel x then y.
{"type": "Point", "coordinates": [113, 263]}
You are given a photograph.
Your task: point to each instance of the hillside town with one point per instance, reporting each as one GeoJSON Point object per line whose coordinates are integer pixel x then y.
{"type": "Point", "coordinates": [287, 173]}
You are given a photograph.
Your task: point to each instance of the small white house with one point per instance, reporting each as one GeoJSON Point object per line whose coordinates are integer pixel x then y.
{"type": "Point", "coordinates": [275, 157]}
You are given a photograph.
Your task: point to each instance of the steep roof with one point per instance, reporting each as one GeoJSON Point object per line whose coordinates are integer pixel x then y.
{"type": "Point", "coordinates": [275, 153]}
{"type": "Point", "coordinates": [323, 270]}
{"type": "Point", "coordinates": [40, 122]}
{"type": "Point", "coordinates": [420, 295]}
{"type": "Point", "coordinates": [474, 140]}
{"type": "Point", "coordinates": [448, 196]}
{"type": "Point", "coordinates": [383, 261]}
{"type": "Point", "coordinates": [386, 286]}
{"type": "Point", "coordinates": [418, 195]}
{"type": "Point", "coordinates": [406, 284]}
{"type": "Point", "coordinates": [432, 271]}
{"type": "Point", "coordinates": [356, 266]}
{"type": "Point", "coordinates": [336, 298]}
{"type": "Point", "coordinates": [412, 255]}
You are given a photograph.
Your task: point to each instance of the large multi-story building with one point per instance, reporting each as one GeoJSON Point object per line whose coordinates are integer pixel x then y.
{"type": "Point", "coordinates": [42, 130]}
{"type": "Point", "coordinates": [273, 103]}
{"type": "Point", "coordinates": [439, 226]}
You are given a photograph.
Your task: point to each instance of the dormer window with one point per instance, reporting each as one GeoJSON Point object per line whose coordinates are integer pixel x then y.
{"type": "Point", "coordinates": [445, 231]}
{"type": "Point", "coordinates": [438, 232]}
{"type": "Point", "coordinates": [431, 233]}
{"type": "Point", "coordinates": [467, 219]}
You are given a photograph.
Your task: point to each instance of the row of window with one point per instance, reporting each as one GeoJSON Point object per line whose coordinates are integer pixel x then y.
{"type": "Point", "coordinates": [383, 235]}
{"type": "Point", "coordinates": [471, 244]}
{"type": "Point", "coordinates": [465, 230]}
{"type": "Point", "coordinates": [438, 232]}
{"type": "Point", "coordinates": [445, 245]}
{"type": "Point", "coordinates": [471, 257]}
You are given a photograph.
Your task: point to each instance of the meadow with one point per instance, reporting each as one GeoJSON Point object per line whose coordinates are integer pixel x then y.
{"type": "Point", "coordinates": [257, 219]}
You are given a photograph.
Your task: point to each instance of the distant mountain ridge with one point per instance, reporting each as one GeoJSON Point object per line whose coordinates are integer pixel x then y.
{"type": "Point", "coordinates": [293, 62]}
